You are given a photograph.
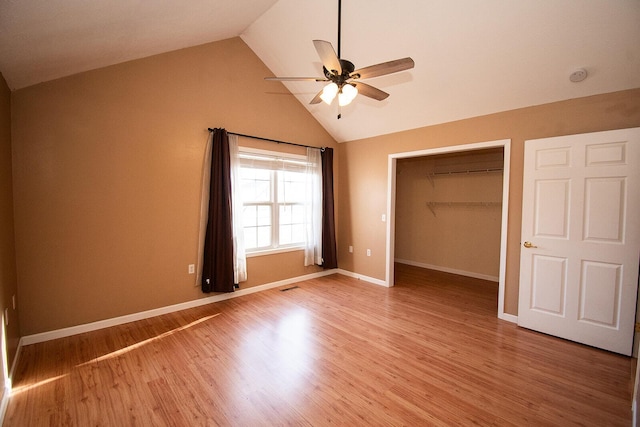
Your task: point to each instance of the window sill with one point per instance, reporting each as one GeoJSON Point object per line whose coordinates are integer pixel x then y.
{"type": "Point", "coordinates": [274, 251]}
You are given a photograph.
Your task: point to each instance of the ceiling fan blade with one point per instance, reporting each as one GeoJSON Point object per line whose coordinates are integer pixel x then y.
{"type": "Point", "coordinates": [328, 56]}
{"type": "Point", "coordinates": [383, 68]}
{"type": "Point", "coordinates": [316, 99]}
{"type": "Point", "coordinates": [303, 79]}
{"type": "Point", "coordinates": [370, 91]}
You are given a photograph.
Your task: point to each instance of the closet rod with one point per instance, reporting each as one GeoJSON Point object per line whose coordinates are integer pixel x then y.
{"type": "Point", "coordinates": [272, 140]}
{"type": "Point", "coordinates": [485, 204]}
{"type": "Point", "coordinates": [468, 171]}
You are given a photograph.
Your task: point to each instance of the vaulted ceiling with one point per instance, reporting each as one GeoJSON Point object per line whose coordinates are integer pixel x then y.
{"type": "Point", "coordinates": [471, 57]}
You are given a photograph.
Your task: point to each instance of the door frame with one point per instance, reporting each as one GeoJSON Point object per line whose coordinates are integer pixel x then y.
{"type": "Point", "coordinates": [505, 144]}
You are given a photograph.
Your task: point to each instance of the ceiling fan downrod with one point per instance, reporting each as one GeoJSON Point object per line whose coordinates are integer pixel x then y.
{"type": "Point", "coordinates": [339, 25]}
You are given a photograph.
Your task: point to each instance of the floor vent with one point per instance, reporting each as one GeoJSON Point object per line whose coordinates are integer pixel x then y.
{"type": "Point", "coordinates": [288, 289]}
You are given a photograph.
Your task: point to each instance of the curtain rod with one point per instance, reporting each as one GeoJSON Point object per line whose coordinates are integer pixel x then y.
{"type": "Point", "coordinates": [272, 140]}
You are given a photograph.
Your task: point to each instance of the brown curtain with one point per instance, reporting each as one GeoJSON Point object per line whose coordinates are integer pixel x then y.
{"type": "Point", "coordinates": [329, 252]}
{"type": "Point", "coordinates": [217, 265]}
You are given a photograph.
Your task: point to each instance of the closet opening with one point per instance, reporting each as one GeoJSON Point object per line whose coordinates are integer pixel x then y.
{"type": "Point", "coordinates": [447, 211]}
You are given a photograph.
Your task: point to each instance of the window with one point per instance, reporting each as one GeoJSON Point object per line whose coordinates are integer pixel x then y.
{"type": "Point", "coordinates": [273, 196]}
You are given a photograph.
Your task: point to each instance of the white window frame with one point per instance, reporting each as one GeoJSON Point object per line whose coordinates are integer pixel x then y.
{"type": "Point", "coordinates": [275, 211]}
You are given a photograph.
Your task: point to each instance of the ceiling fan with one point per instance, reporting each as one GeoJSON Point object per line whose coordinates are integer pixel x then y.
{"type": "Point", "coordinates": [343, 77]}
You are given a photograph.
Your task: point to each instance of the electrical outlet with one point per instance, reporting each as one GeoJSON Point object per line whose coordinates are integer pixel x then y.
{"type": "Point", "coordinates": [192, 268]}
{"type": "Point", "coordinates": [350, 249]}
{"type": "Point", "coordinates": [368, 252]}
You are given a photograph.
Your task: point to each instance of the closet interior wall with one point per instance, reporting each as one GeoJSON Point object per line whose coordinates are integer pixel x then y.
{"type": "Point", "coordinates": [448, 212]}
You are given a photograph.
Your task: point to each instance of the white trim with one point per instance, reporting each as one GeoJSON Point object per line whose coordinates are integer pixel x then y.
{"type": "Point", "coordinates": [273, 251]}
{"type": "Point", "coordinates": [506, 175]}
{"type": "Point", "coordinates": [391, 222]}
{"type": "Point", "coordinates": [391, 206]}
{"type": "Point", "coordinates": [449, 270]}
{"type": "Point", "coordinates": [362, 277]}
{"type": "Point", "coordinates": [88, 327]}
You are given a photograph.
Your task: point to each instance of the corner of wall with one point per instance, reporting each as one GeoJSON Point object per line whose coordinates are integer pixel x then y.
{"type": "Point", "coordinates": [8, 274]}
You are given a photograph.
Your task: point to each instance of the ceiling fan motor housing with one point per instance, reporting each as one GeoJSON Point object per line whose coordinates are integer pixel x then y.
{"type": "Point", "coordinates": [339, 79]}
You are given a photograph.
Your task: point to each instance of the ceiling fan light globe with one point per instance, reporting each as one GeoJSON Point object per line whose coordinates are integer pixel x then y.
{"type": "Point", "coordinates": [347, 94]}
{"type": "Point", "coordinates": [343, 99]}
{"type": "Point", "coordinates": [329, 93]}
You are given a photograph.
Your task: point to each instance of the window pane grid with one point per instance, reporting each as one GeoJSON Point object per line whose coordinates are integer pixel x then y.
{"type": "Point", "coordinates": [257, 185]}
{"type": "Point", "coordinates": [257, 226]}
{"type": "Point", "coordinates": [291, 224]}
{"type": "Point", "coordinates": [291, 187]}
{"type": "Point", "coordinates": [273, 211]}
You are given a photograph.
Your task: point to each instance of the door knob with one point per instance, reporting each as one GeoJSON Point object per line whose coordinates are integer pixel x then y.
{"type": "Point", "coordinates": [529, 245]}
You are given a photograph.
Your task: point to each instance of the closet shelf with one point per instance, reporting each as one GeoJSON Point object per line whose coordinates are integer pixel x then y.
{"type": "Point", "coordinates": [432, 175]}
{"type": "Point", "coordinates": [433, 205]}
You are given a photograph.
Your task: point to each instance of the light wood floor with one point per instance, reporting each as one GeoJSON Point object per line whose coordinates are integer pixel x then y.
{"type": "Point", "coordinates": [335, 350]}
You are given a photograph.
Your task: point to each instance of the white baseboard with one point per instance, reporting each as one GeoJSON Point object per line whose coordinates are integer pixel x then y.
{"type": "Point", "coordinates": [88, 327]}
{"type": "Point", "coordinates": [362, 277]}
{"type": "Point", "coordinates": [448, 270]}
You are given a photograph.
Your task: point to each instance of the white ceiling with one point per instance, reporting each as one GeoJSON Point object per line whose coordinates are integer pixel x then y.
{"type": "Point", "coordinates": [472, 57]}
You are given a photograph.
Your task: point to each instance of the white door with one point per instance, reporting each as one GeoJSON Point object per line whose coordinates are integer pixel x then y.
{"type": "Point", "coordinates": [581, 238]}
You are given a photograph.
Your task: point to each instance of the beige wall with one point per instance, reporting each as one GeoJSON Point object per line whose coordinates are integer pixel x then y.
{"type": "Point", "coordinates": [8, 280]}
{"type": "Point", "coordinates": [363, 170]}
{"type": "Point", "coordinates": [459, 238]}
{"type": "Point", "coordinates": [107, 168]}
{"type": "Point", "coordinates": [107, 164]}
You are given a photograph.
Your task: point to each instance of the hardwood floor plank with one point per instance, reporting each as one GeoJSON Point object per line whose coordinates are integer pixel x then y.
{"type": "Point", "coordinates": [429, 351]}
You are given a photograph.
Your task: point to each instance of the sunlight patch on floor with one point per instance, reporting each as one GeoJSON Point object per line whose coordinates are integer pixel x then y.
{"type": "Point", "coordinates": [147, 341]}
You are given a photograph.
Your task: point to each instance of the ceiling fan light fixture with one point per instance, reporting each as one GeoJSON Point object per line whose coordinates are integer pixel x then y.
{"type": "Point", "coordinates": [347, 94]}
{"type": "Point", "coordinates": [344, 80]}
{"type": "Point", "coordinates": [329, 93]}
